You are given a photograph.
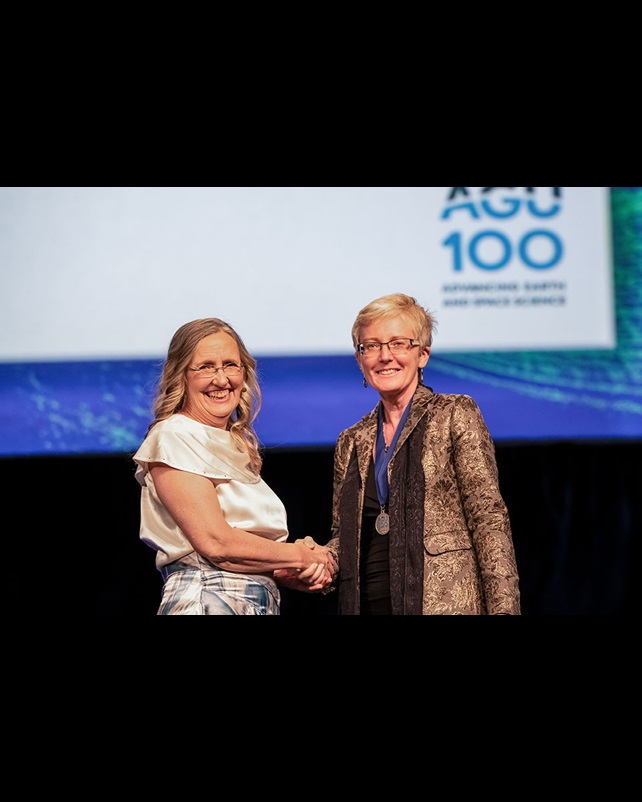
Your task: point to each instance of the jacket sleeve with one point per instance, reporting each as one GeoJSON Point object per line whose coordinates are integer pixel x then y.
{"type": "Point", "coordinates": [342, 452]}
{"type": "Point", "coordinates": [486, 512]}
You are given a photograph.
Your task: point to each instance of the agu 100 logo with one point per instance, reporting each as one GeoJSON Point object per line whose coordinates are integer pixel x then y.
{"type": "Point", "coordinates": [490, 249]}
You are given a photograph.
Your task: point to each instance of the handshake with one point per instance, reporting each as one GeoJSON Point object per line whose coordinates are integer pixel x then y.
{"type": "Point", "coordinates": [318, 574]}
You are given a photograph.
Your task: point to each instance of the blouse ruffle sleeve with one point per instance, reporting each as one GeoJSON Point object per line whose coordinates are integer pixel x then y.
{"type": "Point", "coordinates": [188, 446]}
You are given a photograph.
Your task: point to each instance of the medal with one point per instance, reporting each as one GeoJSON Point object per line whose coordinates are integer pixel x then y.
{"type": "Point", "coordinates": [383, 455]}
{"type": "Point", "coordinates": [382, 524]}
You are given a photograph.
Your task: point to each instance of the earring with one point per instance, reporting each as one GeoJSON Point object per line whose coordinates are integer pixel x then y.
{"type": "Point", "coordinates": [365, 382]}
{"type": "Point", "coordinates": [421, 375]}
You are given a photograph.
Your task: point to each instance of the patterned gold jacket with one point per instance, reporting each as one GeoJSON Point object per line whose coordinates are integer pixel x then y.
{"type": "Point", "coordinates": [451, 547]}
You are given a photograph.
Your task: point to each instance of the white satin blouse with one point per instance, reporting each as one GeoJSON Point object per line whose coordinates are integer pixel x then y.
{"type": "Point", "coordinates": [246, 500]}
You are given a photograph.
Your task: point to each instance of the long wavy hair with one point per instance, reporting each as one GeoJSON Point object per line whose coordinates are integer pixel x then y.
{"type": "Point", "coordinates": [423, 322]}
{"type": "Point", "coordinates": [171, 389]}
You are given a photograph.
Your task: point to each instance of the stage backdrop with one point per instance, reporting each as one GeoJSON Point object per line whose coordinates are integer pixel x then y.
{"type": "Point", "coordinates": [537, 293]}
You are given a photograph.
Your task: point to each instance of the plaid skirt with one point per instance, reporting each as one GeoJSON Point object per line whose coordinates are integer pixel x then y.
{"type": "Point", "coordinates": [193, 586]}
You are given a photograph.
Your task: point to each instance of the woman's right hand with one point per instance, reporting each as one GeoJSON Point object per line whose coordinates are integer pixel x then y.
{"type": "Point", "coordinates": [315, 553]}
{"type": "Point", "coordinates": [316, 575]}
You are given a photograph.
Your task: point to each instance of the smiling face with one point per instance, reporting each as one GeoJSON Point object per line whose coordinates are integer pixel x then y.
{"type": "Point", "coordinates": [393, 376]}
{"type": "Point", "coordinates": [212, 400]}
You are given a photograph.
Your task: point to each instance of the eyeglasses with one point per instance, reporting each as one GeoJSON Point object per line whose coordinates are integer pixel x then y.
{"type": "Point", "coordinates": [400, 345]}
{"type": "Point", "coordinates": [209, 371]}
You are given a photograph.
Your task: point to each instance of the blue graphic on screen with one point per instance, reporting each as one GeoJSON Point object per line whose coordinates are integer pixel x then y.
{"type": "Point", "coordinates": [510, 208]}
{"type": "Point", "coordinates": [50, 408]}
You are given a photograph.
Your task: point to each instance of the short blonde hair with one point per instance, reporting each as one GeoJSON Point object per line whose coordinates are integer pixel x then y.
{"type": "Point", "coordinates": [423, 322]}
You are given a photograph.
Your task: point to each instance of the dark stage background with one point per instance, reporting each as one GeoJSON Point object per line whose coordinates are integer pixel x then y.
{"type": "Point", "coordinates": [576, 511]}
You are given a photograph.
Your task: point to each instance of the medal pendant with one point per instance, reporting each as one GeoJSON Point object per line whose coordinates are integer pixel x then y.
{"type": "Point", "coordinates": [382, 524]}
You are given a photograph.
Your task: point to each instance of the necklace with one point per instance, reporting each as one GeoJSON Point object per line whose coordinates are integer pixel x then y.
{"type": "Point", "coordinates": [386, 443]}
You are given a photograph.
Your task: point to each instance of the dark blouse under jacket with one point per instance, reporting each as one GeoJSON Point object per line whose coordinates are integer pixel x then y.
{"type": "Point", "coordinates": [451, 548]}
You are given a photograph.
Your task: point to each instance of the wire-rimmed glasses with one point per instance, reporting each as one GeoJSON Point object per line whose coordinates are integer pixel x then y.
{"type": "Point", "coordinates": [400, 345]}
{"type": "Point", "coordinates": [230, 369]}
